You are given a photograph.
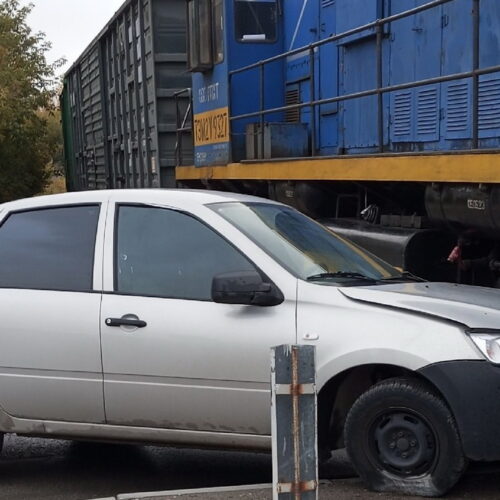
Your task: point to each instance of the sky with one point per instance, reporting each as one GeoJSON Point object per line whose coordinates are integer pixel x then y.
{"type": "Point", "coordinates": [70, 24]}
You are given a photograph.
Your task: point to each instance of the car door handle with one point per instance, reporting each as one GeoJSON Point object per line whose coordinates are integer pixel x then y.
{"type": "Point", "coordinates": [117, 322]}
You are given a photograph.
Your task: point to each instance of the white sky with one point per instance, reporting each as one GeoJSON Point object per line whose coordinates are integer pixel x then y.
{"type": "Point", "coordinates": [70, 24]}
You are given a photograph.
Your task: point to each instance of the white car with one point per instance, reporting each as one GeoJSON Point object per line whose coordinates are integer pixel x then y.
{"type": "Point", "coordinates": [149, 315]}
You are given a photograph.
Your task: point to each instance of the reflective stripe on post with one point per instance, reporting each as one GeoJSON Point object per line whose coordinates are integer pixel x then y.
{"type": "Point", "coordinates": [294, 422]}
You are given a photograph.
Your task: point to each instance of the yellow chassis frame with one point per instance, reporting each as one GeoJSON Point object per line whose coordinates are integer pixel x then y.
{"type": "Point", "coordinates": [459, 167]}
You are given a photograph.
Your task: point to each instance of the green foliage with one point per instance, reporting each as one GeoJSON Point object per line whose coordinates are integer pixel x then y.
{"type": "Point", "coordinates": [27, 105]}
{"type": "Point", "coordinates": [54, 139]}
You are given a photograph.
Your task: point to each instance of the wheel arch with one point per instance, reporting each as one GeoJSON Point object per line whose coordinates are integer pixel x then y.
{"type": "Point", "coordinates": [339, 393]}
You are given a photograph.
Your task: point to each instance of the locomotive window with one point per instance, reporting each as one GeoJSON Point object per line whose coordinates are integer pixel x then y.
{"type": "Point", "coordinates": [200, 35]}
{"type": "Point", "coordinates": [218, 27]}
{"type": "Point", "coordinates": [255, 20]}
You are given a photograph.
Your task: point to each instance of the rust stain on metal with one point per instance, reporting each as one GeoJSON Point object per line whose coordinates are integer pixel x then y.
{"type": "Point", "coordinates": [308, 486]}
{"type": "Point", "coordinates": [300, 389]}
{"type": "Point", "coordinates": [295, 390]}
{"type": "Point", "coordinates": [297, 488]}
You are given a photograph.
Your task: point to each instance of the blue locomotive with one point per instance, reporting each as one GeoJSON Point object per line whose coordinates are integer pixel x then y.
{"type": "Point", "coordinates": [380, 116]}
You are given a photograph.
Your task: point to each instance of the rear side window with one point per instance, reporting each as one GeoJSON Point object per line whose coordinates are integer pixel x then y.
{"type": "Point", "coordinates": [165, 253]}
{"type": "Point", "coordinates": [49, 249]}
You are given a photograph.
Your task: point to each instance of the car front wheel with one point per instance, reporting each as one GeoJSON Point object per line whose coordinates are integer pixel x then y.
{"type": "Point", "coordinates": [402, 437]}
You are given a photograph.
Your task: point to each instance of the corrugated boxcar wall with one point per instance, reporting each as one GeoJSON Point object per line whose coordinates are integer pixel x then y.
{"type": "Point", "coordinates": [121, 98]}
{"type": "Point", "coordinates": [84, 119]}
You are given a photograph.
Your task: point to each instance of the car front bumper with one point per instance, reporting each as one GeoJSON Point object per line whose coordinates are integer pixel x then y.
{"type": "Point", "coordinates": [472, 390]}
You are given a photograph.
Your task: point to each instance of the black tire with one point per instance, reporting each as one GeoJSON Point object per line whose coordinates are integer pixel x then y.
{"type": "Point", "coordinates": [401, 437]}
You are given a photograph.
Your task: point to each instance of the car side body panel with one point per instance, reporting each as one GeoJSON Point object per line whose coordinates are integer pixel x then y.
{"type": "Point", "coordinates": [50, 356]}
{"type": "Point", "coordinates": [354, 334]}
{"type": "Point", "coordinates": [130, 434]}
{"type": "Point", "coordinates": [51, 370]}
{"type": "Point", "coordinates": [197, 365]}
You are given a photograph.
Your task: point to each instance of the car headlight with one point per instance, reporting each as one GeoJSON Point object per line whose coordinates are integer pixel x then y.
{"type": "Point", "coordinates": [488, 344]}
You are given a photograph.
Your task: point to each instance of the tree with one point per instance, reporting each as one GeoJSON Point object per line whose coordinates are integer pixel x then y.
{"type": "Point", "coordinates": [27, 97]}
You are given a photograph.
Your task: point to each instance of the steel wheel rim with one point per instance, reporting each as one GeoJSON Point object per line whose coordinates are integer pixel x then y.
{"type": "Point", "coordinates": [403, 442]}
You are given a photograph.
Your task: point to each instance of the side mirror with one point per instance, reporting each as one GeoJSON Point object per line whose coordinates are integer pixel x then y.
{"type": "Point", "coordinates": [245, 288]}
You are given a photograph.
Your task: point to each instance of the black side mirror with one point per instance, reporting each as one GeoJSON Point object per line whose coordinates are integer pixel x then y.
{"type": "Point", "coordinates": [245, 288]}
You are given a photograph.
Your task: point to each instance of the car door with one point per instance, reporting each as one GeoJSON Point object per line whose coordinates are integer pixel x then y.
{"type": "Point", "coordinates": [193, 364]}
{"type": "Point", "coordinates": [50, 358]}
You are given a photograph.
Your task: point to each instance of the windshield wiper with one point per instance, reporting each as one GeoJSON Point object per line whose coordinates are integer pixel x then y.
{"type": "Point", "coordinates": [404, 276]}
{"type": "Point", "coordinates": [341, 274]}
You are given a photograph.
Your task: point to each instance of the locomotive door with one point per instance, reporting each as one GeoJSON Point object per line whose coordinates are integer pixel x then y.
{"type": "Point", "coordinates": [328, 80]}
{"type": "Point", "coordinates": [358, 55]}
{"type": "Point", "coordinates": [415, 54]}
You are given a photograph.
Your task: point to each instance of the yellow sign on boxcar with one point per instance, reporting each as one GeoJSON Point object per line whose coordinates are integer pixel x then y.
{"type": "Point", "coordinates": [211, 127]}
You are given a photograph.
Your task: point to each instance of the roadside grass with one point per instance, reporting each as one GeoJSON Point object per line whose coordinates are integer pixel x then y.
{"type": "Point", "coordinates": [56, 185]}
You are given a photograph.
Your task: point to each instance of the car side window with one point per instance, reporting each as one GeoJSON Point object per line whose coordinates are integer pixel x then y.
{"type": "Point", "coordinates": [166, 253]}
{"type": "Point", "coordinates": [49, 249]}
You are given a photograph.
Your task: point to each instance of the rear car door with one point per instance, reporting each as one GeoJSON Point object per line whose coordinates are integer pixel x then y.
{"type": "Point", "coordinates": [194, 365]}
{"type": "Point", "coordinates": [50, 359]}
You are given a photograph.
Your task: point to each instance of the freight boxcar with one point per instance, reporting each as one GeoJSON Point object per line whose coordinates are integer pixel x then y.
{"type": "Point", "coordinates": [119, 102]}
{"type": "Point", "coordinates": [380, 116]}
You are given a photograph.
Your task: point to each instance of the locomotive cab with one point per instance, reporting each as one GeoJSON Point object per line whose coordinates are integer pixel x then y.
{"type": "Point", "coordinates": [223, 36]}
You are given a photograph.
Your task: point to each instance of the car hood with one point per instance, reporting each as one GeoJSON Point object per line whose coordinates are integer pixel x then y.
{"type": "Point", "coordinates": [472, 306]}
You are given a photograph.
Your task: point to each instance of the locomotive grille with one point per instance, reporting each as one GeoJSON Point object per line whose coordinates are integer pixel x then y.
{"type": "Point", "coordinates": [402, 114]}
{"type": "Point", "coordinates": [458, 108]}
{"type": "Point", "coordinates": [489, 105]}
{"type": "Point", "coordinates": [292, 97]}
{"type": "Point", "coordinates": [427, 111]}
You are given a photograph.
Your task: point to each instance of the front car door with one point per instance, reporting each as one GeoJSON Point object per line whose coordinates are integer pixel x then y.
{"type": "Point", "coordinates": [50, 357]}
{"type": "Point", "coordinates": [195, 365]}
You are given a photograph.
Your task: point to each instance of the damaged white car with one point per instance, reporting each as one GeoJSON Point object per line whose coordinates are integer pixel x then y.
{"type": "Point", "coordinates": [148, 316]}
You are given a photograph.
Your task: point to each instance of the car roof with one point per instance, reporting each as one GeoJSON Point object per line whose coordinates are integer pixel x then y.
{"type": "Point", "coordinates": [181, 198]}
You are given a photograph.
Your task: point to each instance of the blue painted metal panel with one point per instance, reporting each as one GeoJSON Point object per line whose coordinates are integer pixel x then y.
{"type": "Point", "coordinates": [300, 18]}
{"type": "Point", "coordinates": [489, 106]}
{"type": "Point", "coordinates": [359, 116]}
{"type": "Point", "coordinates": [244, 91]}
{"type": "Point", "coordinates": [402, 70]}
{"type": "Point", "coordinates": [241, 95]}
{"type": "Point", "coordinates": [457, 104]}
{"type": "Point", "coordinates": [457, 96]}
{"type": "Point", "coordinates": [300, 23]}
{"type": "Point", "coordinates": [433, 43]}
{"type": "Point", "coordinates": [489, 37]}
{"type": "Point", "coordinates": [354, 13]}
{"type": "Point", "coordinates": [415, 55]}
{"type": "Point", "coordinates": [428, 45]}
{"type": "Point", "coordinates": [328, 80]}
{"type": "Point", "coordinates": [489, 85]}
{"type": "Point", "coordinates": [210, 92]}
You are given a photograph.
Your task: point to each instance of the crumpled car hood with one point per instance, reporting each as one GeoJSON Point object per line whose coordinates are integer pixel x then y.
{"type": "Point", "coordinates": [472, 306]}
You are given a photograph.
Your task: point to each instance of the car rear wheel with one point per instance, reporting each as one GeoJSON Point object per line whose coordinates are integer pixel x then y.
{"type": "Point", "coordinates": [401, 437]}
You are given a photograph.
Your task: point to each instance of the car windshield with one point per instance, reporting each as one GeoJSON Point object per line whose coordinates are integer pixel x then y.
{"type": "Point", "coordinates": [307, 249]}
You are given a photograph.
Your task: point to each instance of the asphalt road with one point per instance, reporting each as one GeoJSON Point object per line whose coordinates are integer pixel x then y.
{"type": "Point", "coordinates": [61, 470]}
